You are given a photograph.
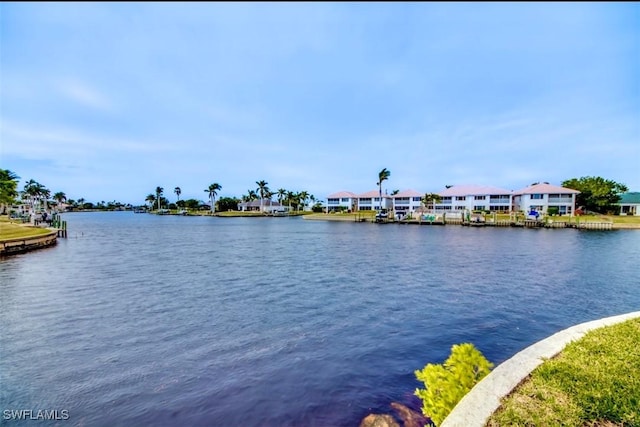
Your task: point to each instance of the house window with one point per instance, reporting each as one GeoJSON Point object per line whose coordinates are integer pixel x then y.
{"type": "Point", "coordinates": [332, 201]}
{"type": "Point", "coordinates": [461, 197]}
{"type": "Point", "coordinates": [537, 196]}
{"type": "Point", "coordinates": [417, 199]}
{"type": "Point", "coordinates": [460, 208]}
{"type": "Point", "coordinates": [479, 208]}
{"type": "Point", "coordinates": [345, 200]}
{"type": "Point", "coordinates": [365, 200]}
{"type": "Point", "coordinates": [479, 197]}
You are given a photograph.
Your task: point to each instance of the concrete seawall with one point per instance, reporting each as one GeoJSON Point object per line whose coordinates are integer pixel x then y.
{"type": "Point", "coordinates": [25, 244]}
{"type": "Point", "coordinates": [482, 401]}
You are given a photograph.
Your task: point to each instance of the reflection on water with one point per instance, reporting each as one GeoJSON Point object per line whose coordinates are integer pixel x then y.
{"type": "Point", "coordinates": [143, 319]}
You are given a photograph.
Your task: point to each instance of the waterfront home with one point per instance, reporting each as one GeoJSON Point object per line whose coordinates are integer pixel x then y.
{"type": "Point", "coordinates": [342, 200]}
{"type": "Point", "coordinates": [630, 204]}
{"type": "Point", "coordinates": [541, 197]}
{"type": "Point", "coordinates": [406, 202]}
{"type": "Point", "coordinates": [463, 198]}
{"type": "Point", "coordinates": [371, 201]}
{"type": "Point", "coordinates": [267, 205]}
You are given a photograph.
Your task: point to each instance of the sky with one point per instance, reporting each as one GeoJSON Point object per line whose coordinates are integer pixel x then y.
{"type": "Point", "coordinates": [107, 101]}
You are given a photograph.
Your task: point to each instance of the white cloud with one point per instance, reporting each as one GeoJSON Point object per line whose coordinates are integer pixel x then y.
{"type": "Point", "coordinates": [85, 95]}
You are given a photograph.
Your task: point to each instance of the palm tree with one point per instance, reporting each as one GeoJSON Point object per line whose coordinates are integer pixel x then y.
{"type": "Point", "coordinates": [81, 202]}
{"type": "Point", "coordinates": [250, 196]}
{"type": "Point", "coordinates": [159, 191]}
{"type": "Point", "coordinates": [304, 195]}
{"type": "Point", "coordinates": [36, 192]}
{"type": "Point", "coordinates": [290, 198]}
{"type": "Point", "coordinates": [213, 190]}
{"type": "Point", "coordinates": [382, 176]}
{"type": "Point", "coordinates": [150, 198]}
{"type": "Point", "coordinates": [178, 191]}
{"type": "Point", "coordinates": [433, 198]}
{"type": "Point", "coordinates": [281, 194]}
{"type": "Point", "coordinates": [60, 197]}
{"type": "Point", "coordinates": [262, 190]}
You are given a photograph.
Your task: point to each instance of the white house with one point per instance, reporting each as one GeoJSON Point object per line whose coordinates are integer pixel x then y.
{"type": "Point", "coordinates": [342, 200]}
{"type": "Point", "coordinates": [406, 201]}
{"type": "Point", "coordinates": [630, 204]}
{"type": "Point", "coordinates": [267, 205]}
{"type": "Point", "coordinates": [371, 201]}
{"type": "Point", "coordinates": [540, 197]}
{"type": "Point", "coordinates": [462, 198]}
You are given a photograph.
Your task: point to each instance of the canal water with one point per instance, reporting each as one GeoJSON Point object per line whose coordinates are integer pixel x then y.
{"type": "Point", "coordinates": [138, 319]}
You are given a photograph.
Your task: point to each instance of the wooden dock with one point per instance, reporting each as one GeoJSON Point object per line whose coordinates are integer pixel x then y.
{"type": "Point", "coordinates": [521, 224]}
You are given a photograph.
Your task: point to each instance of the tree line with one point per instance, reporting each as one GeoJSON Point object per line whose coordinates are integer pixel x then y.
{"type": "Point", "coordinates": [294, 200]}
{"type": "Point", "coordinates": [597, 194]}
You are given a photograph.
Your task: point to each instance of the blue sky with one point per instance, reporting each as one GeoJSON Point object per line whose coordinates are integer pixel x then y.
{"type": "Point", "coordinates": [109, 101]}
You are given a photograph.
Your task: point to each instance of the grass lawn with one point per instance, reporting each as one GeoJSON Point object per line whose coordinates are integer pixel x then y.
{"type": "Point", "coordinates": [594, 381]}
{"type": "Point", "coordinates": [9, 230]}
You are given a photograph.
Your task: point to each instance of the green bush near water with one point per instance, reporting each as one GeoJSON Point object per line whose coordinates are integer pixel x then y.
{"type": "Point", "coordinates": [447, 383]}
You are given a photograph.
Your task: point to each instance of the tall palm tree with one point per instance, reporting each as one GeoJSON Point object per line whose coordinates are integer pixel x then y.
{"type": "Point", "coordinates": [213, 190]}
{"type": "Point", "coordinates": [159, 191]}
{"type": "Point", "coordinates": [383, 175]}
{"type": "Point", "coordinates": [290, 197]}
{"type": "Point", "coordinates": [150, 198]}
{"type": "Point", "coordinates": [178, 191]}
{"type": "Point", "coordinates": [281, 194]}
{"type": "Point", "coordinates": [262, 190]}
{"type": "Point", "coordinates": [81, 202]}
{"type": "Point", "coordinates": [60, 197]}
{"type": "Point", "coordinates": [304, 195]}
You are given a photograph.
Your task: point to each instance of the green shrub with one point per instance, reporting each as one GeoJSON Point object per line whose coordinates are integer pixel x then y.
{"type": "Point", "coordinates": [553, 210]}
{"type": "Point", "coordinates": [447, 383]}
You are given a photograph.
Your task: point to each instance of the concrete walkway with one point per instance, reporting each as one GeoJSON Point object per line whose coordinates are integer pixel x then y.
{"type": "Point", "coordinates": [482, 401]}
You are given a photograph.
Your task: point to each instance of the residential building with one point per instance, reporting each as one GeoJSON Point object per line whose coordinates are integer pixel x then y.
{"type": "Point", "coordinates": [540, 197]}
{"type": "Point", "coordinates": [267, 205]}
{"type": "Point", "coordinates": [342, 200]}
{"type": "Point", "coordinates": [406, 201]}
{"type": "Point", "coordinates": [371, 201]}
{"type": "Point", "coordinates": [630, 204]}
{"type": "Point", "coordinates": [462, 198]}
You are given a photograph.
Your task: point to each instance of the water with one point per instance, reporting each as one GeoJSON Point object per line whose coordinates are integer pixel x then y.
{"type": "Point", "coordinates": [161, 320]}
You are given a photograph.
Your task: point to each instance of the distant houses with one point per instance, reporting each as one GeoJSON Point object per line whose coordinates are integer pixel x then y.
{"type": "Point", "coordinates": [464, 198]}
{"type": "Point", "coordinates": [475, 198]}
{"type": "Point", "coordinates": [267, 205]}
{"type": "Point", "coordinates": [342, 200]}
{"type": "Point", "coordinates": [541, 197]}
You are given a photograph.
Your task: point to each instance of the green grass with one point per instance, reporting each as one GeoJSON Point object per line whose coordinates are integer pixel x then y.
{"type": "Point", "coordinates": [9, 230]}
{"type": "Point", "coordinates": [595, 381]}
{"type": "Point", "coordinates": [238, 213]}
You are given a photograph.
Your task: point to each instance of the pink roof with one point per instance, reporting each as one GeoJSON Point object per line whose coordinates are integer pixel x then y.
{"type": "Point", "coordinates": [372, 193]}
{"type": "Point", "coordinates": [408, 193]}
{"type": "Point", "coordinates": [546, 189]}
{"type": "Point", "coordinates": [472, 190]}
{"type": "Point", "coordinates": [342, 194]}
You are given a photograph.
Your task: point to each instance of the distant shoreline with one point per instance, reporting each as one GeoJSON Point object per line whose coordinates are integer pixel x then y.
{"type": "Point", "coordinates": [322, 217]}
